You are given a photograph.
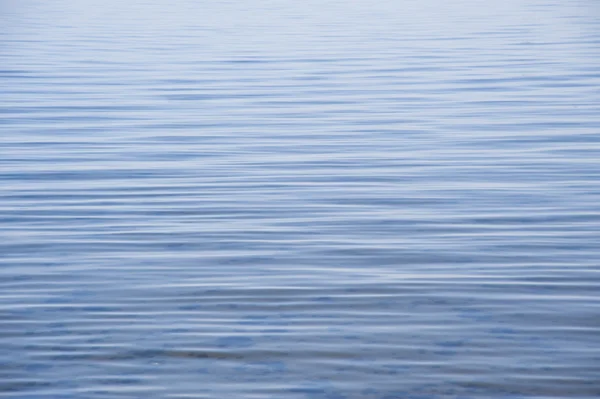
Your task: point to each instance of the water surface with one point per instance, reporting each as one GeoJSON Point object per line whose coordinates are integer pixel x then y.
{"type": "Point", "coordinates": [299, 199]}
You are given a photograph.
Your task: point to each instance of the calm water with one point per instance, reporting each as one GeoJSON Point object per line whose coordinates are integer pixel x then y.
{"type": "Point", "coordinates": [284, 199]}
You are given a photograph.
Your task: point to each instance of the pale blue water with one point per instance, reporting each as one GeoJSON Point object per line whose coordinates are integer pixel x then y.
{"type": "Point", "coordinates": [284, 199]}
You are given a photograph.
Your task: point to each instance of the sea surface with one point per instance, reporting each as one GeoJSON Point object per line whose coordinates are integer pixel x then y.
{"type": "Point", "coordinates": [284, 199]}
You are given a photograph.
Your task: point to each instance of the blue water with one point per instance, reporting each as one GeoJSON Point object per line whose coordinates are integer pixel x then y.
{"type": "Point", "coordinates": [283, 199]}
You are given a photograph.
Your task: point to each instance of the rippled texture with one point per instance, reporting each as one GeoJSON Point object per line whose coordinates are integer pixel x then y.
{"type": "Point", "coordinates": [299, 199]}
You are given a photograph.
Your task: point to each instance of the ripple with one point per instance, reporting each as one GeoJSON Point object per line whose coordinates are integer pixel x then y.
{"type": "Point", "coordinates": [302, 200]}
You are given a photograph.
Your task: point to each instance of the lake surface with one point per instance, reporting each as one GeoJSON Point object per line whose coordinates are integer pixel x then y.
{"type": "Point", "coordinates": [284, 199]}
